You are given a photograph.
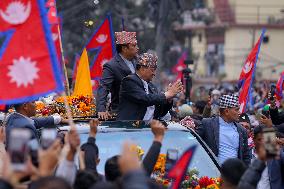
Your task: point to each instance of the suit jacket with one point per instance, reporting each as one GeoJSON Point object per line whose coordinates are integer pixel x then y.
{"type": "Point", "coordinates": [276, 172]}
{"type": "Point", "coordinates": [113, 72]}
{"type": "Point", "coordinates": [133, 100]}
{"type": "Point", "coordinates": [16, 120]}
{"type": "Point", "coordinates": [209, 129]}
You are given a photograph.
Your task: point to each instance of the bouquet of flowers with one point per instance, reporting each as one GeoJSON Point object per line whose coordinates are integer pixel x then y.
{"type": "Point", "coordinates": [191, 179]}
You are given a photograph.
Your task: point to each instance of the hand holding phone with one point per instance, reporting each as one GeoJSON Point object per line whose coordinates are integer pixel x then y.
{"type": "Point", "coordinates": [270, 142]}
{"type": "Point", "coordinates": [18, 148]}
{"type": "Point", "coordinates": [272, 92]}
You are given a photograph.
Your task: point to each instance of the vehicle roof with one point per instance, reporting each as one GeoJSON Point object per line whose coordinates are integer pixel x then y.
{"type": "Point", "coordinates": [114, 126]}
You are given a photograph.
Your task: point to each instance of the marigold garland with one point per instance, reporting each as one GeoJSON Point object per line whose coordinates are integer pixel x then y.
{"type": "Point", "coordinates": [81, 106]}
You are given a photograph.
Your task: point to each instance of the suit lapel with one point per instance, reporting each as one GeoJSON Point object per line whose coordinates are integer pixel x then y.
{"type": "Point", "coordinates": [240, 140]}
{"type": "Point", "coordinates": [139, 81]}
{"type": "Point", "coordinates": [123, 65]}
{"type": "Point", "coordinates": [152, 89]}
{"type": "Point", "coordinates": [216, 130]}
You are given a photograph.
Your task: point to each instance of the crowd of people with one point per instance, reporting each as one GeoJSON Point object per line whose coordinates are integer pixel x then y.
{"type": "Point", "coordinates": [248, 147]}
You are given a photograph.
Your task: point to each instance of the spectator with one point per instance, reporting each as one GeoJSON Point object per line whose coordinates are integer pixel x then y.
{"type": "Point", "coordinates": [198, 108]}
{"type": "Point", "coordinates": [85, 179]}
{"type": "Point", "coordinates": [91, 150]}
{"type": "Point", "coordinates": [184, 110]}
{"type": "Point", "coordinates": [67, 168]}
{"type": "Point", "coordinates": [225, 137]}
{"type": "Point", "coordinates": [50, 182]}
{"type": "Point", "coordinates": [245, 122]}
{"type": "Point", "coordinates": [276, 117]}
{"type": "Point", "coordinates": [231, 173]}
{"type": "Point", "coordinates": [22, 119]}
{"type": "Point", "coordinates": [264, 172]}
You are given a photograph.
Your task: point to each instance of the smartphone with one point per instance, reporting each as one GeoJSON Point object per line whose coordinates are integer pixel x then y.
{"type": "Point", "coordinates": [266, 113]}
{"type": "Point", "coordinates": [269, 136]}
{"type": "Point", "coordinates": [272, 92]}
{"type": "Point", "coordinates": [33, 147]}
{"type": "Point", "coordinates": [47, 137]}
{"type": "Point", "coordinates": [18, 148]}
{"type": "Point", "coordinates": [171, 158]}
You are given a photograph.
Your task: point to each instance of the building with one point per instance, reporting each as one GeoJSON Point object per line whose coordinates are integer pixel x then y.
{"type": "Point", "coordinates": [227, 30]}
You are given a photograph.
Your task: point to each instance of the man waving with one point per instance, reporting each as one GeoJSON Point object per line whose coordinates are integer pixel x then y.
{"type": "Point", "coordinates": [139, 99]}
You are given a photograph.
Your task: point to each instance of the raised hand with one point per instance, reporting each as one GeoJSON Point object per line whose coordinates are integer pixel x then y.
{"type": "Point", "coordinates": [158, 129]}
{"type": "Point", "coordinates": [129, 160]}
{"type": "Point", "coordinates": [94, 127]}
{"type": "Point", "coordinates": [174, 89]}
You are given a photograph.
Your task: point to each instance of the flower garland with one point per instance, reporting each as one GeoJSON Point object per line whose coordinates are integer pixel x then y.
{"type": "Point", "coordinates": [191, 179]}
{"type": "Point", "coordinates": [81, 106]}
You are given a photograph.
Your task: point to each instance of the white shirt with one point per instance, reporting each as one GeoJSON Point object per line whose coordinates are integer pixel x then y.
{"type": "Point", "coordinates": [264, 182]}
{"type": "Point", "coordinates": [150, 109]}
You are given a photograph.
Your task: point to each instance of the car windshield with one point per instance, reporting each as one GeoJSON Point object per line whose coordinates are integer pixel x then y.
{"type": "Point", "coordinates": [110, 142]}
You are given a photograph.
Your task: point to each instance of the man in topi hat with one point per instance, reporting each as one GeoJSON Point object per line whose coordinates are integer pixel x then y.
{"type": "Point", "coordinates": [223, 134]}
{"type": "Point", "coordinates": [121, 65]}
{"type": "Point", "coordinates": [139, 99]}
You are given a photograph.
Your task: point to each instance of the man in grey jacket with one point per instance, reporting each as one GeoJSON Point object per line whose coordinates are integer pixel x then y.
{"type": "Point", "coordinates": [120, 66]}
{"type": "Point", "coordinates": [223, 134]}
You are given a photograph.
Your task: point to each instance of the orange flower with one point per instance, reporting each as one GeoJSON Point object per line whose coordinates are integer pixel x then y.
{"type": "Point", "coordinates": [212, 186]}
{"type": "Point", "coordinates": [160, 164]}
{"type": "Point", "coordinates": [39, 105]}
{"type": "Point", "coordinates": [197, 187]}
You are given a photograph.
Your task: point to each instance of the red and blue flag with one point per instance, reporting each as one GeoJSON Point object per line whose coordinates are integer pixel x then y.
{"type": "Point", "coordinates": [102, 42]}
{"type": "Point", "coordinates": [29, 67]}
{"type": "Point", "coordinates": [178, 171]}
{"type": "Point", "coordinates": [247, 74]}
{"type": "Point", "coordinates": [279, 87]}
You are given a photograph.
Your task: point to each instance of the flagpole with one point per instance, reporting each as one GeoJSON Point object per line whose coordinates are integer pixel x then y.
{"type": "Point", "coordinates": [67, 89]}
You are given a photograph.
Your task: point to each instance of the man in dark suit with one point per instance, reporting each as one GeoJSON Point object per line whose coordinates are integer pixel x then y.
{"type": "Point", "coordinates": [21, 119]}
{"type": "Point", "coordinates": [114, 71]}
{"type": "Point", "coordinates": [223, 134]}
{"type": "Point", "coordinates": [139, 99]}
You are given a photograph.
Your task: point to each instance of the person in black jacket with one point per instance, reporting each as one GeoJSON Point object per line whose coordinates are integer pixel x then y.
{"type": "Point", "coordinates": [121, 65]}
{"type": "Point", "coordinates": [139, 99]}
{"type": "Point", "coordinates": [91, 150]}
{"type": "Point", "coordinates": [276, 117]}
